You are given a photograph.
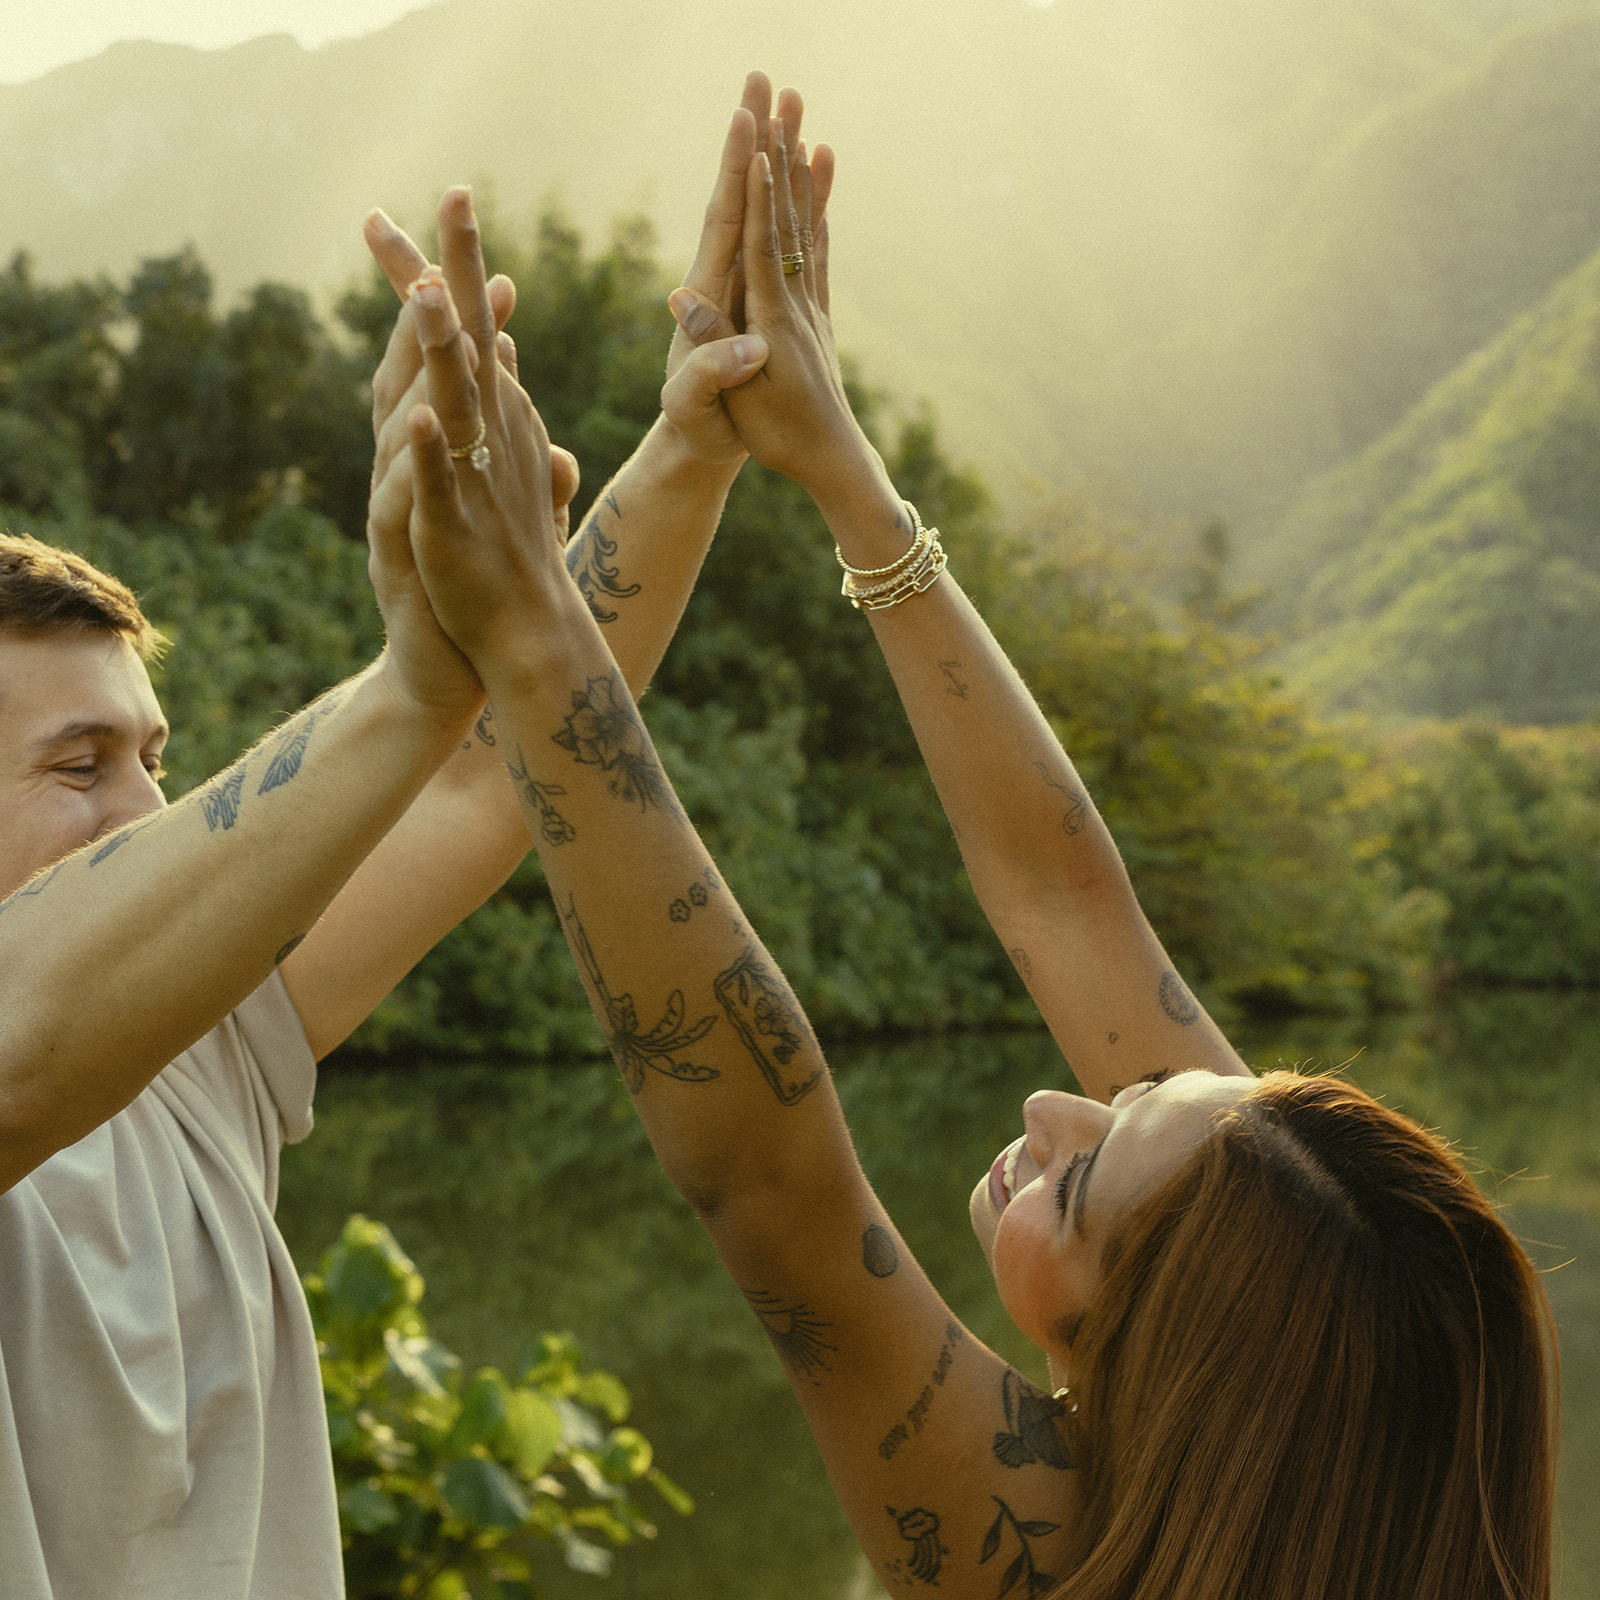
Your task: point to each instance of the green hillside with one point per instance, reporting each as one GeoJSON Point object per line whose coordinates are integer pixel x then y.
{"type": "Point", "coordinates": [1030, 200]}
{"type": "Point", "coordinates": [1420, 237]}
{"type": "Point", "coordinates": [1454, 567]}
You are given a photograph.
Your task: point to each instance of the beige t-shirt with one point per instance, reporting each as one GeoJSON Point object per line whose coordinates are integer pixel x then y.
{"type": "Point", "coordinates": [162, 1431]}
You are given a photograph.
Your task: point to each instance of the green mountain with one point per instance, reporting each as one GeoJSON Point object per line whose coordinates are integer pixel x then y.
{"type": "Point", "coordinates": [1454, 567]}
{"type": "Point", "coordinates": [1424, 232]}
{"type": "Point", "coordinates": [1031, 201]}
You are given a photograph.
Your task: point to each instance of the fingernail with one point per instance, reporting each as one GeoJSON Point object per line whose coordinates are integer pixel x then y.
{"type": "Point", "coordinates": [682, 306]}
{"type": "Point", "coordinates": [748, 351]}
{"type": "Point", "coordinates": [380, 221]}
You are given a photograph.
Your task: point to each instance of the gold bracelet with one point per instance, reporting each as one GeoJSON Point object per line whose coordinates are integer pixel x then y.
{"type": "Point", "coordinates": [918, 541]}
{"type": "Point", "coordinates": [914, 581]}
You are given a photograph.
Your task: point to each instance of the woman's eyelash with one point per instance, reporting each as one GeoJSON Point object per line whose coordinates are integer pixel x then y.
{"type": "Point", "coordinates": [1066, 1178]}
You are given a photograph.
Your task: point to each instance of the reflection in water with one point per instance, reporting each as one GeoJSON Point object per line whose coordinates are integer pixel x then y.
{"type": "Point", "coordinates": [530, 1201]}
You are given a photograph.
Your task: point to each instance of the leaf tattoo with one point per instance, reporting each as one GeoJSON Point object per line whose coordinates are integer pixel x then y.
{"type": "Point", "coordinates": [1023, 1567]}
{"type": "Point", "coordinates": [604, 730]}
{"type": "Point", "coordinates": [1031, 1433]}
{"type": "Point", "coordinates": [796, 1333]}
{"type": "Point", "coordinates": [769, 1021]}
{"type": "Point", "coordinates": [633, 1049]}
{"type": "Point", "coordinates": [553, 827]}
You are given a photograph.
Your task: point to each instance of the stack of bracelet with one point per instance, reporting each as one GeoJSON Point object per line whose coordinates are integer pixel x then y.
{"type": "Point", "coordinates": [876, 588]}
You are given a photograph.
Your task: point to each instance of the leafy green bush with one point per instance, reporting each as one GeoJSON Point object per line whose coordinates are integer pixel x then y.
{"type": "Point", "coordinates": [448, 1483]}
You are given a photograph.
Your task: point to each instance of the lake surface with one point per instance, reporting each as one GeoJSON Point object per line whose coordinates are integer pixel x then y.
{"type": "Point", "coordinates": [530, 1200]}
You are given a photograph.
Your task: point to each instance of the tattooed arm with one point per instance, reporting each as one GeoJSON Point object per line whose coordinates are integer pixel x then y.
{"type": "Point", "coordinates": [1041, 860]}
{"type": "Point", "coordinates": [952, 1469]}
{"type": "Point", "coordinates": [125, 952]}
{"type": "Point", "coordinates": [634, 560]}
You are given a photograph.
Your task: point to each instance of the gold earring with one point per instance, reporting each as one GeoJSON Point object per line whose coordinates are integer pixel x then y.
{"type": "Point", "coordinates": [1062, 1393]}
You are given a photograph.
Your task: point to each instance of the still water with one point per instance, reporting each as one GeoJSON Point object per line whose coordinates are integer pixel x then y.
{"type": "Point", "coordinates": [530, 1201]}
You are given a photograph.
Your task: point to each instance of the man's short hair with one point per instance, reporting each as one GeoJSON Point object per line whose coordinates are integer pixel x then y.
{"type": "Point", "coordinates": [46, 590]}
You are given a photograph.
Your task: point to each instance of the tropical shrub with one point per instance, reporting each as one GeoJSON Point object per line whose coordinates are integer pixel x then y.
{"type": "Point", "coordinates": [450, 1484]}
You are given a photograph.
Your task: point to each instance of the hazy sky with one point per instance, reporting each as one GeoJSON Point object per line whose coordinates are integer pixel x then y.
{"type": "Point", "coordinates": [36, 36]}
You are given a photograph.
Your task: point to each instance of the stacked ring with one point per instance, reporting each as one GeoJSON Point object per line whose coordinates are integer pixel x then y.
{"type": "Point", "coordinates": [476, 451]}
{"type": "Point", "coordinates": [793, 262]}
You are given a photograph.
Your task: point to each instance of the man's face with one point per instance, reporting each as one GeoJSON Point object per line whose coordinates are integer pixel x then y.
{"type": "Point", "coordinates": [81, 736]}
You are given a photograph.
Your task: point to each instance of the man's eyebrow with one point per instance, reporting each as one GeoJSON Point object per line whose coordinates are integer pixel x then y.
{"type": "Point", "coordinates": [88, 729]}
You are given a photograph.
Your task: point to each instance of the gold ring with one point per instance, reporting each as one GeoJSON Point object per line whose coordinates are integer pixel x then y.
{"type": "Point", "coordinates": [477, 452]}
{"type": "Point", "coordinates": [793, 262]}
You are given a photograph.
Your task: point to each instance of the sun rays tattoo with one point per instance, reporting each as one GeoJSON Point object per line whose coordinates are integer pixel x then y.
{"type": "Point", "coordinates": [920, 1529]}
{"type": "Point", "coordinates": [603, 730]}
{"type": "Point", "coordinates": [796, 1332]}
{"type": "Point", "coordinates": [633, 1049]}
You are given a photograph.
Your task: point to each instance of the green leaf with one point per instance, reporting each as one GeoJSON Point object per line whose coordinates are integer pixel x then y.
{"type": "Point", "coordinates": [582, 1556]}
{"type": "Point", "coordinates": [533, 1430]}
{"type": "Point", "coordinates": [578, 1428]}
{"type": "Point", "coordinates": [411, 1363]}
{"type": "Point", "coordinates": [367, 1276]}
{"type": "Point", "coordinates": [604, 1391]}
{"type": "Point", "coordinates": [366, 1508]}
{"type": "Point", "coordinates": [627, 1456]}
{"type": "Point", "coordinates": [484, 1495]}
{"type": "Point", "coordinates": [483, 1413]}
{"type": "Point", "coordinates": [449, 1585]}
{"type": "Point", "coordinates": [678, 1499]}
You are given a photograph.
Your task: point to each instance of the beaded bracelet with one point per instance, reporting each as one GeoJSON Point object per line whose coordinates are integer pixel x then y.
{"type": "Point", "coordinates": [913, 573]}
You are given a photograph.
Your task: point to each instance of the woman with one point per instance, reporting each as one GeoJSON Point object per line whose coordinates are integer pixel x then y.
{"type": "Point", "coordinates": [1292, 1351]}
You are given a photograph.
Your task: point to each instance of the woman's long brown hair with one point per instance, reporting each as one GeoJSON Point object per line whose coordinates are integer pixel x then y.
{"type": "Point", "coordinates": [1319, 1368]}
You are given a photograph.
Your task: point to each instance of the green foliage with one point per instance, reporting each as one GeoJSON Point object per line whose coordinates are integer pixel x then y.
{"type": "Point", "coordinates": [1502, 827]}
{"type": "Point", "coordinates": [141, 402]}
{"type": "Point", "coordinates": [776, 716]}
{"type": "Point", "coordinates": [449, 1484]}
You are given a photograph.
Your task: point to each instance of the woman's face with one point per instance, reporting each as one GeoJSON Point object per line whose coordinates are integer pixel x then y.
{"type": "Point", "coordinates": [1047, 1206]}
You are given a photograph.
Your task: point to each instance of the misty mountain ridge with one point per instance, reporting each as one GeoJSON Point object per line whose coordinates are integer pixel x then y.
{"type": "Point", "coordinates": [1206, 249]}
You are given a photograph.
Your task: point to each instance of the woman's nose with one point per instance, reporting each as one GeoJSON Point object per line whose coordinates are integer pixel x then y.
{"type": "Point", "coordinates": [1055, 1120]}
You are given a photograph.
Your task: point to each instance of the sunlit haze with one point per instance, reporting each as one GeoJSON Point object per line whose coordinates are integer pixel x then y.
{"type": "Point", "coordinates": [35, 38]}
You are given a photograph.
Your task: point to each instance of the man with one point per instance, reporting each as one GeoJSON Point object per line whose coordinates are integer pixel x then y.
{"type": "Point", "coordinates": [170, 975]}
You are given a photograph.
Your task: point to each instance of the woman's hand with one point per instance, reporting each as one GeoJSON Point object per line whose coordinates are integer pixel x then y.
{"type": "Point", "coordinates": [792, 415]}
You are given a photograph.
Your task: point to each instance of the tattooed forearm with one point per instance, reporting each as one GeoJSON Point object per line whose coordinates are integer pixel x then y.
{"type": "Point", "coordinates": [540, 799]}
{"type": "Point", "coordinates": [878, 1253]}
{"type": "Point", "coordinates": [220, 799]}
{"type": "Point", "coordinates": [796, 1332]}
{"type": "Point", "coordinates": [1077, 812]}
{"type": "Point", "coordinates": [917, 1415]}
{"type": "Point", "coordinates": [1176, 1000]}
{"type": "Point", "coordinates": [631, 1048]}
{"type": "Point", "coordinates": [768, 1019]}
{"type": "Point", "coordinates": [920, 1529]}
{"type": "Point", "coordinates": [289, 754]}
{"type": "Point", "coordinates": [604, 730]}
{"type": "Point", "coordinates": [591, 559]}
{"type": "Point", "coordinates": [1023, 1567]}
{"type": "Point", "coordinates": [954, 684]}
{"type": "Point", "coordinates": [1031, 1433]}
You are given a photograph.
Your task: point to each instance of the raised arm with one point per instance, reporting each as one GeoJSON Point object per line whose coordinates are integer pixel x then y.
{"type": "Point", "coordinates": [635, 561]}
{"type": "Point", "coordinates": [722, 1065]}
{"type": "Point", "coordinates": [121, 955]}
{"type": "Point", "coordinates": [1045, 868]}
